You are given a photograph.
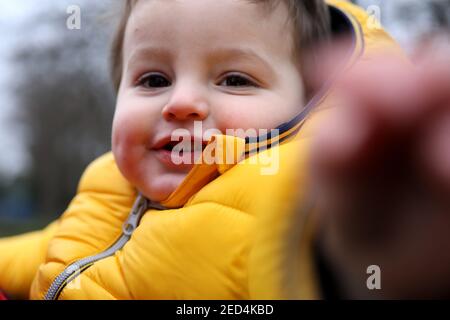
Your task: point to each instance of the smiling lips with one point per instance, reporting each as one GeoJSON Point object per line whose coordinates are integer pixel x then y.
{"type": "Point", "coordinates": [179, 155]}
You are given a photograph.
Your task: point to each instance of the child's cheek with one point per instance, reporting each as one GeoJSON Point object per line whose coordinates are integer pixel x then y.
{"type": "Point", "coordinates": [127, 141]}
{"type": "Point", "coordinates": [242, 115]}
{"type": "Point", "coordinates": [120, 146]}
{"type": "Point", "coordinates": [131, 126]}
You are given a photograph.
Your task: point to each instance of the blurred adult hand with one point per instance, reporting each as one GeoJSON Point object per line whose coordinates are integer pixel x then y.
{"type": "Point", "coordinates": [381, 170]}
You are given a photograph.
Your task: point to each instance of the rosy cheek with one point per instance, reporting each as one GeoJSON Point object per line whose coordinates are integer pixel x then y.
{"type": "Point", "coordinates": [127, 151]}
{"type": "Point", "coordinates": [119, 134]}
{"type": "Point", "coordinates": [124, 138]}
{"type": "Point", "coordinates": [118, 140]}
{"type": "Point", "coordinates": [130, 125]}
{"type": "Point", "coordinates": [246, 121]}
{"type": "Point", "coordinates": [232, 116]}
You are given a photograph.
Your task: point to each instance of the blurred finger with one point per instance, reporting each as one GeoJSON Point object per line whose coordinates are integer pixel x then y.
{"type": "Point", "coordinates": [436, 153]}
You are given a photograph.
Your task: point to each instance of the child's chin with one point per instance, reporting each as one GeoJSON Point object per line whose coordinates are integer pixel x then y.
{"type": "Point", "coordinates": [163, 186]}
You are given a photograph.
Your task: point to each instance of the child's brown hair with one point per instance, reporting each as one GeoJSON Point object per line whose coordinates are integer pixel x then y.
{"type": "Point", "coordinates": [309, 18]}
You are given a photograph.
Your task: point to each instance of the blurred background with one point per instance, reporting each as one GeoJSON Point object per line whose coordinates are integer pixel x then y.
{"type": "Point", "coordinates": [56, 105]}
{"type": "Point", "coordinates": [57, 101]}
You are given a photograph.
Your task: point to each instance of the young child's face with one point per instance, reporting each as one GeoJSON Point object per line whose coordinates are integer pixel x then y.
{"type": "Point", "coordinates": [226, 63]}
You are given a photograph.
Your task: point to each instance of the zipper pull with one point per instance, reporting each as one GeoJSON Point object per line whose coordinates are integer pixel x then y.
{"type": "Point", "coordinates": [139, 208]}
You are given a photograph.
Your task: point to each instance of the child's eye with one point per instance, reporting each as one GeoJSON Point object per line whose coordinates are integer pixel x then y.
{"type": "Point", "coordinates": [236, 80]}
{"type": "Point", "coordinates": [154, 80]}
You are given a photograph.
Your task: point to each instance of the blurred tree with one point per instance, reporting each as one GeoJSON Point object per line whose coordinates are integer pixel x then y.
{"type": "Point", "coordinates": [66, 106]}
{"type": "Point", "coordinates": [441, 13]}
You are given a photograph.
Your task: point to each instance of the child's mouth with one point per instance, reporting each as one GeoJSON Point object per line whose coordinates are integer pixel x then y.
{"type": "Point", "coordinates": [184, 147]}
{"type": "Point", "coordinates": [180, 155]}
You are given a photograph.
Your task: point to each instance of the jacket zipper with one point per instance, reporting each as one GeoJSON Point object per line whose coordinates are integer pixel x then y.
{"type": "Point", "coordinates": [72, 271]}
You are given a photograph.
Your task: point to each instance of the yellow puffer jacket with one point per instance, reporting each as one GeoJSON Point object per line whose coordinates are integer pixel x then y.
{"type": "Point", "coordinates": [227, 232]}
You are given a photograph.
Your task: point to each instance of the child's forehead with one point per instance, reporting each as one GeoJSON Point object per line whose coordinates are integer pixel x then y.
{"type": "Point", "coordinates": [208, 23]}
{"type": "Point", "coordinates": [251, 11]}
{"type": "Point", "coordinates": [263, 6]}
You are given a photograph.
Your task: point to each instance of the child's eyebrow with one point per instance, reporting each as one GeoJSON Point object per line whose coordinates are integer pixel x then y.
{"type": "Point", "coordinates": [149, 52]}
{"type": "Point", "coordinates": [220, 53]}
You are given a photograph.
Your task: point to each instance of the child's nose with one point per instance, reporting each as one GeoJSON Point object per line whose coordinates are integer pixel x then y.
{"type": "Point", "coordinates": [186, 106]}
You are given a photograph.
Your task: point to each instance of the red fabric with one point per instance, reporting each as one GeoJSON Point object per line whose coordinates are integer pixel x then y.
{"type": "Point", "coordinates": [2, 296]}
